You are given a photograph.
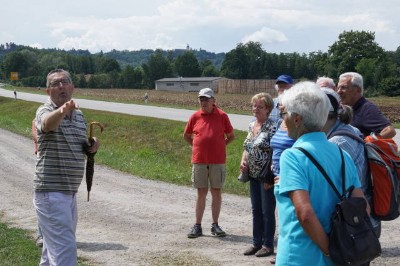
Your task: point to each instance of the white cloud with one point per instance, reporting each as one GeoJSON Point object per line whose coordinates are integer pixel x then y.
{"type": "Point", "coordinates": [214, 25]}
{"type": "Point", "coordinates": [266, 35]}
{"type": "Point", "coordinates": [35, 45]}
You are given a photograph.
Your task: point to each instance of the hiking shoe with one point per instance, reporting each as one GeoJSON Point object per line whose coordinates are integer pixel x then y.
{"type": "Point", "coordinates": [39, 241]}
{"type": "Point", "coordinates": [251, 251]}
{"type": "Point", "coordinates": [264, 252]}
{"type": "Point", "coordinates": [195, 232]}
{"type": "Point", "coordinates": [217, 230]}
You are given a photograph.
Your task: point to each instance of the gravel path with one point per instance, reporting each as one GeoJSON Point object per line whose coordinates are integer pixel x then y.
{"type": "Point", "coordinates": [134, 221]}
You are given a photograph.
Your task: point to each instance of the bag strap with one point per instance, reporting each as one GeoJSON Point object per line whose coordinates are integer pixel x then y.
{"type": "Point", "coordinates": [323, 172]}
{"type": "Point", "coordinates": [358, 139]}
{"type": "Point", "coordinates": [347, 134]}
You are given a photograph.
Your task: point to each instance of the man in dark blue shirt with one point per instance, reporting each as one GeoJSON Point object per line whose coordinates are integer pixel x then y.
{"type": "Point", "coordinates": [366, 116]}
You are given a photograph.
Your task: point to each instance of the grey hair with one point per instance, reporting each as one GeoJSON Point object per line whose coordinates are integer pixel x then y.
{"type": "Point", "coordinates": [58, 70]}
{"type": "Point", "coordinates": [306, 99]}
{"type": "Point", "coordinates": [329, 82]}
{"type": "Point", "coordinates": [265, 97]}
{"type": "Point", "coordinates": [356, 80]}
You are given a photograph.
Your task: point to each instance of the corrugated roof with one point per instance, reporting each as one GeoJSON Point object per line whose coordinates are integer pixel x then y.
{"type": "Point", "coordinates": [190, 79]}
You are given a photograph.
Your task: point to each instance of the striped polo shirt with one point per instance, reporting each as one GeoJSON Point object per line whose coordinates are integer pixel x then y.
{"type": "Point", "coordinates": [60, 162]}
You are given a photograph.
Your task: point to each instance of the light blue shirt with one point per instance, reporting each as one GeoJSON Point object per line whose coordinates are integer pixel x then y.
{"type": "Point", "coordinates": [274, 115]}
{"type": "Point", "coordinates": [354, 148]}
{"type": "Point", "coordinates": [279, 142]}
{"type": "Point", "coordinates": [295, 247]}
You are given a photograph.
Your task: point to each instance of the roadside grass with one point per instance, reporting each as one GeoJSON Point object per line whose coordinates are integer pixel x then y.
{"type": "Point", "coordinates": [147, 147]}
{"type": "Point", "coordinates": [18, 248]}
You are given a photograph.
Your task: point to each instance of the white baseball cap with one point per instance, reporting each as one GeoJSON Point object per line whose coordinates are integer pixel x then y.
{"type": "Point", "coordinates": [206, 92]}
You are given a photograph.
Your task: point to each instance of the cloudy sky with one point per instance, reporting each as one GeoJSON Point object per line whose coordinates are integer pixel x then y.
{"type": "Point", "coordinates": [212, 25]}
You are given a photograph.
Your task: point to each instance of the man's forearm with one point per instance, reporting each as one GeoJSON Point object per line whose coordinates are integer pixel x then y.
{"type": "Point", "coordinates": [388, 132]}
{"type": "Point", "coordinates": [52, 120]}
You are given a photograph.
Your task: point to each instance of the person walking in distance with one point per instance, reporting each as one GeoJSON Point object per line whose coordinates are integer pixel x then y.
{"type": "Point", "coordinates": [208, 131]}
{"type": "Point", "coordinates": [60, 165]}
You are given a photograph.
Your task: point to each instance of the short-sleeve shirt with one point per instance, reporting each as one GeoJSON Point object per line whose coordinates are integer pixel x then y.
{"type": "Point", "coordinates": [209, 131]}
{"type": "Point", "coordinates": [299, 173]}
{"type": "Point", "coordinates": [368, 118]}
{"type": "Point", "coordinates": [279, 142]}
{"type": "Point", "coordinates": [60, 162]}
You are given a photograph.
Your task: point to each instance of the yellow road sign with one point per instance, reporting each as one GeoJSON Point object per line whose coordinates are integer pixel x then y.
{"type": "Point", "coordinates": [14, 75]}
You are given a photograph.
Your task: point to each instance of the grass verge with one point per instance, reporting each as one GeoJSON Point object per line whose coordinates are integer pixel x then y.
{"type": "Point", "coordinates": [18, 248]}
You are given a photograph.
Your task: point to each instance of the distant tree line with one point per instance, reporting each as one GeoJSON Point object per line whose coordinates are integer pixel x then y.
{"type": "Point", "coordinates": [353, 51]}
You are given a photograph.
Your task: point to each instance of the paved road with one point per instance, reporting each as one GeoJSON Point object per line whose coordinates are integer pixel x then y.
{"type": "Point", "coordinates": [240, 122]}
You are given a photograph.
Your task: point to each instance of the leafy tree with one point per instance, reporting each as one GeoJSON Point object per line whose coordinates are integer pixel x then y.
{"type": "Point", "coordinates": [128, 77]}
{"type": "Point", "coordinates": [246, 61]}
{"type": "Point", "coordinates": [351, 47]}
{"type": "Point", "coordinates": [138, 76]}
{"type": "Point", "coordinates": [82, 81]}
{"type": "Point", "coordinates": [390, 86]}
{"type": "Point", "coordinates": [321, 65]}
{"type": "Point", "coordinates": [271, 66]}
{"type": "Point", "coordinates": [158, 67]}
{"type": "Point", "coordinates": [236, 65]}
{"type": "Point", "coordinates": [18, 62]}
{"type": "Point", "coordinates": [186, 65]}
{"type": "Point", "coordinates": [208, 69]}
{"type": "Point", "coordinates": [107, 65]}
{"type": "Point", "coordinates": [93, 82]}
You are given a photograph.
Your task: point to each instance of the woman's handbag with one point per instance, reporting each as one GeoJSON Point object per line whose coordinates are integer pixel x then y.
{"type": "Point", "coordinates": [352, 240]}
{"type": "Point", "coordinates": [266, 174]}
{"type": "Point", "coordinates": [243, 176]}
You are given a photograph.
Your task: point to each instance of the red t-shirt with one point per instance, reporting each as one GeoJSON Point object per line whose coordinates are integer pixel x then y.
{"type": "Point", "coordinates": [209, 131]}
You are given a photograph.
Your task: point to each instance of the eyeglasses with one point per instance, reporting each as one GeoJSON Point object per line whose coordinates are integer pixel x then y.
{"type": "Point", "coordinates": [257, 107]}
{"type": "Point", "coordinates": [56, 83]}
{"type": "Point", "coordinates": [282, 114]}
{"type": "Point", "coordinates": [345, 87]}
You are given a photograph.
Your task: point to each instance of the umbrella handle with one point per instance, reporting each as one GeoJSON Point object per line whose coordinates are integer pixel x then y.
{"type": "Point", "coordinates": [91, 128]}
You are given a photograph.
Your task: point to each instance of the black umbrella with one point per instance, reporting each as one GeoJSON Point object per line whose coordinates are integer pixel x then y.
{"type": "Point", "coordinates": [90, 158]}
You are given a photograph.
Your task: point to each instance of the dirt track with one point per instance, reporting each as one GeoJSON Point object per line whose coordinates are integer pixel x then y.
{"type": "Point", "coordinates": [133, 221]}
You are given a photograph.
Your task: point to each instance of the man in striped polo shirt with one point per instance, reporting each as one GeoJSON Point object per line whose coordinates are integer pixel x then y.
{"type": "Point", "coordinates": [60, 164]}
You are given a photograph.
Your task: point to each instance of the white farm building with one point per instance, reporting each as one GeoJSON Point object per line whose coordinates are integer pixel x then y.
{"type": "Point", "coordinates": [187, 84]}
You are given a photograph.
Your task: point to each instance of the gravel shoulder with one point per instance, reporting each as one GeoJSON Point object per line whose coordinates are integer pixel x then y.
{"type": "Point", "coordinates": [133, 221]}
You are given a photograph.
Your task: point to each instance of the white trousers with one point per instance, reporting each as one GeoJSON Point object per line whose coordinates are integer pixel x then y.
{"type": "Point", "coordinates": [57, 216]}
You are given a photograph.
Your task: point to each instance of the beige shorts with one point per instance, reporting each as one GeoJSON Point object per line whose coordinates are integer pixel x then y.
{"type": "Point", "coordinates": [204, 174]}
